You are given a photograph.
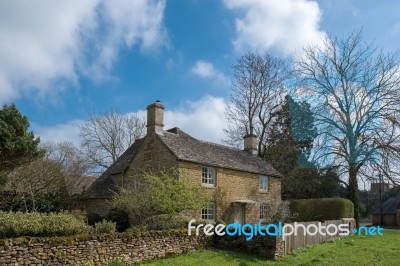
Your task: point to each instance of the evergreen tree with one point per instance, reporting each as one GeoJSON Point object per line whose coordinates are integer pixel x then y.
{"type": "Point", "coordinates": [290, 142]}
{"type": "Point", "coordinates": [17, 144]}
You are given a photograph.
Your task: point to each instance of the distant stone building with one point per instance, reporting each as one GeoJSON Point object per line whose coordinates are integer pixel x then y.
{"type": "Point", "coordinates": [390, 213]}
{"type": "Point", "coordinates": [248, 183]}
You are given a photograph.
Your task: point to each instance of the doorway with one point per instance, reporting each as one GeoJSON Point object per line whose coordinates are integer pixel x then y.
{"type": "Point", "coordinates": [239, 213]}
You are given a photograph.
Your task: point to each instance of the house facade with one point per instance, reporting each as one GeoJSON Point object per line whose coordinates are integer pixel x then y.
{"type": "Point", "coordinates": [242, 185]}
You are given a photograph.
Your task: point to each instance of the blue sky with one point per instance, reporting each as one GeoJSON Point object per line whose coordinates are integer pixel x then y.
{"type": "Point", "coordinates": [61, 60]}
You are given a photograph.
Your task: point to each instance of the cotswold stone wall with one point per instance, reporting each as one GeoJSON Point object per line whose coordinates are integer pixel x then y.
{"type": "Point", "coordinates": [98, 250]}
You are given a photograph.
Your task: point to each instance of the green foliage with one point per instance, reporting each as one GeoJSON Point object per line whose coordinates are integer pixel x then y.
{"type": "Point", "coordinates": [105, 227]}
{"type": "Point", "coordinates": [121, 218]}
{"type": "Point", "coordinates": [17, 144]}
{"type": "Point", "coordinates": [170, 194]}
{"type": "Point", "coordinates": [40, 224]}
{"type": "Point", "coordinates": [290, 142]}
{"type": "Point", "coordinates": [321, 209]}
{"type": "Point", "coordinates": [166, 222]}
{"type": "Point", "coordinates": [163, 193]}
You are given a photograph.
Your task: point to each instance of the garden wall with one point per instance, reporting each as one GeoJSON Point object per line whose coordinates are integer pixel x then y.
{"type": "Point", "coordinates": [80, 250]}
{"type": "Point", "coordinates": [136, 247]}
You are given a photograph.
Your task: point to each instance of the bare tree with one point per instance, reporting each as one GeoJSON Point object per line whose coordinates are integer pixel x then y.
{"type": "Point", "coordinates": [354, 90]}
{"type": "Point", "coordinates": [106, 136]}
{"type": "Point", "coordinates": [32, 180]}
{"type": "Point", "coordinates": [60, 175]}
{"type": "Point", "coordinates": [257, 93]}
{"type": "Point", "coordinates": [72, 162]}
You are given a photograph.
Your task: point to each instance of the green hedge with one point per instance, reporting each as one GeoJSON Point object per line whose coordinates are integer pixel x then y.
{"type": "Point", "coordinates": [14, 224]}
{"type": "Point", "coordinates": [321, 209]}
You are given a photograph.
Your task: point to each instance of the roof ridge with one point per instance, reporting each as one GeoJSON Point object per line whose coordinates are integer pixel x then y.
{"type": "Point", "coordinates": [218, 144]}
{"type": "Point", "coordinates": [204, 141]}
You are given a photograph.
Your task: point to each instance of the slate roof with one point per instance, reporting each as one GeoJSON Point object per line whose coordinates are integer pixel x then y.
{"type": "Point", "coordinates": [185, 148]}
{"type": "Point", "coordinates": [105, 186]}
{"type": "Point", "coordinates": [390, 206]}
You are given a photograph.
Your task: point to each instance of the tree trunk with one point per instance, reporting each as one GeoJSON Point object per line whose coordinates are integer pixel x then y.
{"type": "Point", "coordinates": [352, 191]}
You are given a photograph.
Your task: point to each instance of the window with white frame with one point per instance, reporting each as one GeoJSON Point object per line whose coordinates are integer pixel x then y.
{"type": "Point", "coordinates": [263, 183]}
{"type": "Point", "coordinates": [263, 211]}
{"type": "Point", "coordinates": [208, 213]}
{"type": "Point", "coordinates": [208, 175]}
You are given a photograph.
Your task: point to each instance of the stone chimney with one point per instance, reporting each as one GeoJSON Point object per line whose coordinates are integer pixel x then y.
{"type": "Point", "coordinates": [155, 118]}
{"type": "Point", "coordinates": [250, 142]}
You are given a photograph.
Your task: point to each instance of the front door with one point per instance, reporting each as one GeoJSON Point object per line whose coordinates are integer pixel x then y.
{"type": "Point", "coordinates": [239, 213]}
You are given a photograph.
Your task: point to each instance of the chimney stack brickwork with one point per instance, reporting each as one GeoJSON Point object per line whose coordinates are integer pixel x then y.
{"type": "Point", "coordinates": [250, 144]}
{"type": "Point", "coordinates": [155, 118]}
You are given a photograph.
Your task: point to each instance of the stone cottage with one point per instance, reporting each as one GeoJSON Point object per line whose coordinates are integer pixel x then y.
{"type": "Point", "coordinates": [390, 213]}
{"type": "Point", "coordinates": [244, 186]}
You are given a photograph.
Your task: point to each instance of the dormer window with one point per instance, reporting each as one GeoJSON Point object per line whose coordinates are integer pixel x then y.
{"type": "Point", "coordinates": [208, 176]}
{"type": "Point", "coordinates": [264, 183]}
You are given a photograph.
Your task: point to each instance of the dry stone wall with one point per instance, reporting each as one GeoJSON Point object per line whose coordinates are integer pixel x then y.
{"type": "Point", "coordinates": [97, 250]}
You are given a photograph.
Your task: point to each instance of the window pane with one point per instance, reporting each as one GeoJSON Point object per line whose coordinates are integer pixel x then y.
{"type": "Point", "coordinates": [263, 211]}
{"type": "Point", "coordinates": [263, 182]}
{"type": "Point", "coordinates": [208, 213]}
{"type": "Point", "coordinates": [208, 175]}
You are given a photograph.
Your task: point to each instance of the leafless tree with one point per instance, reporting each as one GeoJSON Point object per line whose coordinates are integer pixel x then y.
{"type": "Point", "coordinates": [72, 162]}
{"type": "Point", "coordinates": [60, 174]}
{"type": "Point", "coordinates": [107, 135]}
{"type": "Point", "coordinates": [257, 93]}
{"type": "Point", "coordinates": [354, 89]}
{"type": "Point", "coordinates": [32, 180]}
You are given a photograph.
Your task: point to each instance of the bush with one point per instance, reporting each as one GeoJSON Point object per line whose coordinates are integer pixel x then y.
{"type": "Point", "coordinates": [105, 227]}
{"type": "Point", "coordinates": [93, 218]}
{"type": "Point", "coordinates": [40, 224]}
{"type": "Point", "coordinates": [166, 222]}
{"type": "Point", "coordinates": [121, 218]}
{"type": "Point", "coordinates": [321, 209]}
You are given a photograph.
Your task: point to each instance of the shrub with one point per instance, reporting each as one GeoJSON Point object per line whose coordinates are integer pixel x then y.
{"type": "Point", "coordinates": [121, 218]}
{"type": "Point", "coordinates": [105, 227]}
{"type": "Point", "coordinates": [321, 209]}
{"type": "Point", "coordinates": [166, 221]}
{"type": "Point", "coordinates": [93, 218]}
{"type": "Point", "coordinates": [57, 224]}
{"type": "Point", "coordinates": [40, 224]}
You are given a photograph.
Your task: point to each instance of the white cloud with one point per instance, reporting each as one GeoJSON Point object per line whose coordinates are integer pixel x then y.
{"type": "Point", "coordinates": [203, 119]}
{"type": "Point", "coordinates": [285, 25]}
{"type": "Point", "coordinates": [205, 69]}
{"type": "Point", "coordinates": [48, 42]}
{"type": "Point", "coordinates": [59, 133]}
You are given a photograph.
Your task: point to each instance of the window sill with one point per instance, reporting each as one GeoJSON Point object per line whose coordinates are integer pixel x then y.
{"type": "Point", "coordinates": [263, 191]}
{"type": "Point", "coordinates": [208, 185]}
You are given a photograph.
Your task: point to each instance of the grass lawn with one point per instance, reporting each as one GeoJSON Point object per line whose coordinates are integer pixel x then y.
{"type": "Point", "coordinates": [352, 250]}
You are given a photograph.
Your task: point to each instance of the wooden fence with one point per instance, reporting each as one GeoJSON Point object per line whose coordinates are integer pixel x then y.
{"type": "Point", "coordinates": [300, 240]}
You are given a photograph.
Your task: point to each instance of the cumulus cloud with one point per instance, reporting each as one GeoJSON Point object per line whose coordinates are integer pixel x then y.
{"type": "Point", "coordinates": [58, 133]}
{"type": "Point", "coordinates": [203, 119]}
{"type": "Point", "coordinates": [205, 69]}
{"type": "Point", "coordinates": [285, 25]}
{"type": "Point", "coordinates": [49, 42]}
